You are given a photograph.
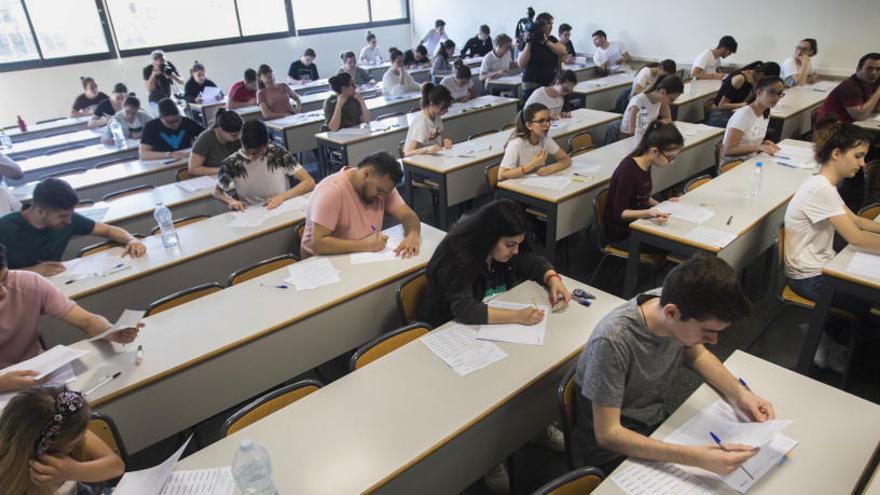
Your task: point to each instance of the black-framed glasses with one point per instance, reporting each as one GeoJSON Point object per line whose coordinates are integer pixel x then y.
{"type": "Point", "coordinates": [541, 121]}
{"type": "Point", "coordinates": [776, 92]}
{"type": "Point", "coordinates": [669, 159]}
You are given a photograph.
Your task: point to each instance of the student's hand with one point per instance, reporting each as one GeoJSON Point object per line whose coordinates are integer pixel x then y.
{"type": "Point", "coordinates": [447, 144]}
{"type": "Point", "coordinates": [720, 462]}
{"type": "Point", "coordinates": [342, 99]}
{"type": "Point", "coordinates": [135, 135]}
{"type": "Point", "coordinates": [49, 268]}
{"type": "Point", "coordinates": [658, 216]}
{"type": "Point", "coordinates": [124, 335]}
{"type": "Point", "coordinates": [199, 99]}
{"type": "Point", "coordinates": [51, 469]}
{"type": "Point", "coordinates": [408, 247]}
{"type": "Point", "coordinates": [756, 408]}
{"type": "Point", "coordinates": [179, 154]}
{"type": "Point", "coordinates": [529, 315]}
{"type": "Point", "coordinates": [19, 380]}
{"type": "Point", "coordinates": [770, 148]}
{"type": "Point", "coordinates": [135, 248]}
{"type": "Point", "coordinates": [565, 115]}
{"type": "Point", "coordinates": [274, 202]}
{"type": "Point", "coordinates": [539, 160]}
{"type": "Point", "coordinates": [236, 205]}
{"type": "Point", "coordinates": [544, 171]}
{"type": "Point", "coordinates": [434, 148]}
{"type": "Point", "coordinates": [674, 199]}
{"type": "Point", "coordinates": [558, 291]}
{"type": "Point", "coordinates": [375, 242]}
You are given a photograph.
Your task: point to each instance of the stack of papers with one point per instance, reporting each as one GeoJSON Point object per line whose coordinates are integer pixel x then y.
{"type": "Point", "coordinates": [515, 333]}
{"type": "Point", "coordinates": [824, 85]}
{"type": "Point", "coordinates": [864, 264]}
{"type": "Point", "coordinates": [458, 347]}
{"type": "Point", "coordinates": [312, 273]}
{"type": "Point", "coordinates": [710, 236]}
{"type": "Point", "coordinates": [163, 480]}
{"type": "Point", "coordinates": [557, 183]}
{"type": "Point", "coordinates": [54, 365]}
{"type": "Point", "coordinates": [659, 478]}
{"type": "Point", "coordinates": [684, 211]}
{"type": "Point", "coordinates": [197, 183]}
{"type": "Point", "coordinates": [211, 94]}
{"type": "Point", "coordinates": [96, 212]}
{"type": "Point", "coordinates": [395, 236]}
{"type": "Point", "coordinates": [254, 216]}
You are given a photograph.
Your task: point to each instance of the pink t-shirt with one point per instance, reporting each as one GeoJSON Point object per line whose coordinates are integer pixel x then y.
{"type": "Point", "coordinates": [28, 295]}
{"type": "Point", "coordinates": [337, 206]}
{"type": "Point", "coordinates": [277, 97]}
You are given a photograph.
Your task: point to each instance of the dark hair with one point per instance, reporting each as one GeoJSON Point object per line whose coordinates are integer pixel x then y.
{"type": "Point", "coordinates": [566, 76]}
{"type": "Point", "coordinates": [814, 45]}
{"type": "Point", "coordinates": [484, 28]}
{"type": "Point", "coordinates": [446, 47]}
{"type": "Point", "coordinates": [865, 58]}
{"type": "Point", "coordinates": [131, 101]}
{"type": "Point", "coordinates": [502, 39]}
{"type": "Point", "coordinates": [439, 23]}
{"type": "Point", "coordinates": [831, 134]}
{"type": "Point", "coordinates": [228, 120]}
{"type": "Point", "coordinates": [705, 287]}
{"type": "Point", "coordinates": [524, 117]}
{"type": "Point", "coordinates": [668, 66]}
{"type": "Point", "coordinates": [54, 194]}
{"type": "Point", "coordinates": [659, 135]}
{"type": "Point", "coordinates": [421, 49]}
{"type": "Point", "coordinates": [339, 81]}
{"type": "Point", "coordinates": [86, 80]}
{"type": "Point", "coordinates": [669, 82]}
{"type": "Point", "coordinates": [756, 66]}
{"type": "Point", "coordinates": [763, 84]}
{"type": "Point", "coordinates": [310, 52]}
{"type": "Point", "coordinates": [197, 66]}
{"type": "Point", "coordinates": [394, 54]}
{"type": "Point", "coordinates": [3, 262]}
{"type": "Point", "coordinates": [250, 75]}
{"type": "Point", "coordinates": [599, 32]}
{"type": "Point", "coordinates": [462, 71]}
{"type": "Point", "coordinates": [370, 36]}
{"type": "Point", "coordinates": [544, 17]}
{"type": "Point", "coordinates": [435, 94]}
{"type": "Point", "coordinates": [347, 55]}
{"type": "Point", "coordinates": [254, 135]}
{"type": "Point", "coordinates": [728, 42]}
{"type": "Point", "coordinates": [564, 27]}
{"type": "Point", "coordinates": [530, 12]}
{"type": "Point", "coordinates": [168, 108]}
{"type": "Point", "coordinates": [769, 69]}
{"type": "Point", "coordinates": [384, 164]}
{"type": "Point", "coordinates": [120, 88]}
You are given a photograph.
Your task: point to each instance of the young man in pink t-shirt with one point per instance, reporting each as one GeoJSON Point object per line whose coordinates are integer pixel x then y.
{"type": "Point", "coordinates": [346, 210]}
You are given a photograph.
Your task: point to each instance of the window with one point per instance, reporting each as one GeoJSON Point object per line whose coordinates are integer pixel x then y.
{"type": "Point", "coordinates": [262, 17]}
{"type": "Point", "coordinates": [157, 23]}
{"type": "Point", "coordinates": [311, 14]}
{"type": "Point", "coordinates": [67, 29]}
{"type": "Point", "coordinates": [16, 41]}
{"type": "Point", "coordinates": [387, 10]}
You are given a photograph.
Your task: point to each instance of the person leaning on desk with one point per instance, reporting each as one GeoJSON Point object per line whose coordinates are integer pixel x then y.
{"type": "Point", "coordinates": [170, 135]}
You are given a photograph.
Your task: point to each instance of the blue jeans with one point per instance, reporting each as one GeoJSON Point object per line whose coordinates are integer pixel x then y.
{"type": "Point", "coordinates": [812, 287]}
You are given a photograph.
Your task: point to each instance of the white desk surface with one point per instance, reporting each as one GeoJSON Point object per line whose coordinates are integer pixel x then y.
{"type": "Point", "coordinates": [55, 124]}
{"type": "Point", "coordinates": [797, 100]}
{"type": "Point", "coordinates": [606, 83]}
{"type": "Point", "coordinates": [143, 203]}
{"type": "Point", "coordinates": [93, 152]}
{"type": "Point", "coordinates": [74, 137]}
{"type": "Point", "coordinates": [299, 85]}
{"type": "Point", "coordinates": [872, 123]}
{"type": "Point", "coordinates": [837, 432]}
{"type": "Point", "coordinates": [362, 430]}
{"type": "Point", "coordinates": [249, 110]}
{"type": "Point", "coordinates": [725, 196]}
{"type": "Point", "coordinates": [838, 268]}
{"type": "Point", "coordinates": [511, 80]}
{"type": "Point", "coordinates": [704, 89]}
{"type": "Point", "coordinates": [207, 104]}
{"type": "Point", "coordinates": [873, 487]}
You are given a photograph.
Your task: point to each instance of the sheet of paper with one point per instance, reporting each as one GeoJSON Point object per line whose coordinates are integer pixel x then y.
{"type": "Point", "coordinates": [62, 376]}
{"type": "Point", "coordinates": [96, 212]}
{"type": "Point", "coordinates": [659, 478]}
{"type": "Point", "coordinates": [395, 236]}
{"type": "Point", "coordinates": [710, 237]}
{"type": "Point", "coordinates": [130, 318]}
{"type": "Point", "coordinates": [514, 332]}
{"type": "Point", "coordinates": [312, 273]}
{"type": "Point", "coordinates": [795, 156]}
{"type": "Point", "coordinates": [149, 481]}
{"type": "Point", "coordinates": [255, 215]}
{"type": "Point", "coordinates": [92, 266]}
{"type": "Point", "coordinates": [767, 458]}
{"type": "Point", "coordinates": [556, 183]}
{"type": "Point", "coordinates": [352, 131]}
{"type": "Point", "coordinates": [217, 481]}
{"type": "Point", "coordinates": [721, 419]}
{"type": "Point", "coordinates": [684, 211]}
{"type": "Point", "coordinates": [47, 362]}
{"type": "Point", "coordinates": [584, 169]}
{"type": "Point", "coordinates": [197, 183]}
{"type": "Point", "coordinates": [864, 264]}
{"type": "Point", "coordinates": [211, 94]}
{"type": "Point", "coordinates": [467, 149]}
{"type": "Point", "coordinates": [824, 85]}
{"type": "Point", "coordinates": [458, 347]}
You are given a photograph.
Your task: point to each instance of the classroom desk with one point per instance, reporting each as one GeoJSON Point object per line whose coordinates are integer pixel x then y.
{"type": "Point", "coordinates": [872, 123]}
{"type": "Point", "coordinates": [791, 118]}
{"type": "Point", "coordinates": [837, 432]}
{"type": "Point", "coordinates": [59, 126]}
{"type": "Point", "coordinates": [584, 69]}
{"type": "Point", "coordinates": [570, 210]}
{"type": "Point", "coordinates": [754, 221]}
{"type": "Point", "coordinates": [462, 178]}
{"type": "Point", "coordinates": [689, 106]}
{"type": "Point", "coordinates": [85, 157]}
{"type": "Point", "coordinates": [407, 423]}
{"type": "Point", "coordinates": [601, 93]}
{"type": "Point", "coordinates": [41, 146]}
{"type": "Point", "coordinates": [252, 112]}
{"type": "Point", "coordinates": [200, 349]}
{"type": "Point", "coordinates": [204, 112]}
{"type": "Point", "coordinates": [419, 74]}
{"type": "Point", "coordinates": [315, 101]}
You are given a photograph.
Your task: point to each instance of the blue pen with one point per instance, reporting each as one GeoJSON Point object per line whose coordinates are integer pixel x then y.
{"type": "Point", "coordinates": [718, 442]}
{"type": "Point", "coordinates": [744, 384]}
{"type": "Point", "coordinates": [271, 286]}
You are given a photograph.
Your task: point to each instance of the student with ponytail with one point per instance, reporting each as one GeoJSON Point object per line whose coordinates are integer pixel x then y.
{"type": "Point", "coordinates": [736, 89]}
{"type": "Point", "coordinates": [397, 80]}
{"type": "Point", "coordinates": [530, 146]}
{"type": "Point", "coordinates": [349, 65]}
{"type": "Point", "coordinates": [459, 83]}
{"type": "Point", "coordinates": [656, 99]}
{"type": "Point", "coordinates": [216, 143]}
{"type": "Point", "coordinates": [745, 135]}
{"type": "Point", "coordinates": [426, 129]}
{"type": "Point", "coordinates": [86, 102]}
{"type": "Point", "coordinates": [629, 192]}
{"type": "Point", "coordinates": [554, 97]}
{"type": "Point", "coordinates": [346, 108]}
{"type": "Point", "coordinates": [442, 64]}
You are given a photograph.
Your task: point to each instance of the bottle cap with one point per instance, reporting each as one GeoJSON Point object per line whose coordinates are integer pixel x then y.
{"type": "Point", "coordinates": [759, 164]}
{"type": "Point", "coordinates": [246, 443]}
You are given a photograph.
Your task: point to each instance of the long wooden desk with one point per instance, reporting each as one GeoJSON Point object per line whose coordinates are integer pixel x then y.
{"type": "Point", "coordinates": [41, 146]}
{"type": "Point", "coordinates": [791, 117]}
{"type": "Point", "coordinates": [837, 432]}
{"type": "Point", "coordinates": [601, 93]}
{"type": "Point", "coordinates": [86, 157]}
{"type": "Point", "coordinates": [225, 348]}
{"type": "Point", "coordinates": [51, 128]}
{"type": "Point", "coordinates": [689, 106]}
{"type": "Point", "coordinates": [407, 423]}
{"type": "Point", "coordinates": [872, 123]}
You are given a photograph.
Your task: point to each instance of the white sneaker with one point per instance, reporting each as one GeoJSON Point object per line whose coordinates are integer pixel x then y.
{"type": "Point", "coordinates": [497, 480]}
{"type": "Point", "coordinates": [837, 358]}
{"type": "Point", "coordinates": [820, 359]}
{"type": "Point", "coordinates": [551, 438]}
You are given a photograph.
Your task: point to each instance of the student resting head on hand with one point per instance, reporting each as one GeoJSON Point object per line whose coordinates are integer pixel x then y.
{"type": "Point", "coordinates": [736, 88]}
{"type": "Point", "coordinates": [425, 133]}
{"type": "Point", "coordinates": [347, 107]}
{"type": "Point", "coordinates": [531, 146]}
{"type": "Point", "coordinates": [656, 100]}
{"type": "Point", "coordinates": [397, 80]}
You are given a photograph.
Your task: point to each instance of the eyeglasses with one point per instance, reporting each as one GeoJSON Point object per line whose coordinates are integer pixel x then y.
{"type": "Point", "coordinates": [669, 159]}
{"type": "Point", "coordinates": [541, 121]}
{"type": "Point", "coordinates": [776, 92]}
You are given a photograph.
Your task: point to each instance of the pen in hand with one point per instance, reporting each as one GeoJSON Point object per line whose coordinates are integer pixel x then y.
{"type": "Point", "coordinates": [720, 446]}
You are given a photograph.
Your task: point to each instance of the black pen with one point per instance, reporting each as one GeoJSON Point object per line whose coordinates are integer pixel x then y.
{"type": "Point", "coordinates": [729, 219]}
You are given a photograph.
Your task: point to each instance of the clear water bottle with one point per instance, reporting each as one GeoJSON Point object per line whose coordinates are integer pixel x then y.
{"type": "Point", "coordinates": [641, 123]}
{"type": "Point", "coordinates": [252, 469]}
{"type": "Point", "coordinates": [754, 189]}
{"type": "Point", "coordinates": [166, 226]}
{"type": "Point", "coordinates": [692, 87]}
{"type": "Point", "coordinates": [5, 142]}
{"type": "Point", "coordinates": [116, 133]}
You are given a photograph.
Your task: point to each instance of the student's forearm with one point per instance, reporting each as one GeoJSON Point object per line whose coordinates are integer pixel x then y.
{"type": "Point", "coordinates": [303, 187]}
{"type": "Point", "coordinates": [223, 196]}
{"type": "Point", "coordinates": [202, 170]}
{"type": "Point", "coordinates": [336, 119]}
{"type": "Point", "coordinates": [498, 315]}
{"type": "Point", "coordinates": [145, 154]}
{"type": "Point", "coordinates": [332, 245]}
{"type": "Point", "coordinates": [707, 365]}
{"type": "Point", "coordinates": [11, 170]}
{"type": "Point", "coordinates": [631, 444]}
{"type": "Point", "coordinates": [119, 235]}
{"type": "Point", "coordinates": [803, 74]}
{"type": "Point", "coordinates": [635, 214]}
{"type": "Point", "coordinates": [868, 224]}
{"type": "Point", "coordinates": [866, 109]}
{"type": "Point", "coordinates": [95, 324]}
{"type": "Point", "coordinates": [104, 468]}
{"type": "Point", "coordinates": [365, 113]}
{"type": "Point", "coordinates": [411, 223]}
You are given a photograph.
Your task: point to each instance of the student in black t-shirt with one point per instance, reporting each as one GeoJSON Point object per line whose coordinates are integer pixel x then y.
{"type": "Point", "coordinates": [158, 77]}
{"type": "Point", "coordinates": [304, 69]}
{"type": "Point", "coordinates": [198, 81]}
{"type": "Point", "coordinates": [86, 103]}
{"type": "Point", "coordinates": [109, 107]}
{"type": "Point", "coordinates": [479, 45]}
{"type": "Point", "coordinates": [565, 40]}
{"type": "Point", "coordinates": [416, 57]}
{"type": "Point", "coordinates": [169, 135]}
{"type": "Point", "coordinates": [539, 58]}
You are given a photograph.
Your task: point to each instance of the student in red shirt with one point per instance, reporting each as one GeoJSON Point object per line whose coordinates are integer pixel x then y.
{"type": "Point", "coordinates": [243, 93]}
{"type": "Point", "coordinates": [857, 97]}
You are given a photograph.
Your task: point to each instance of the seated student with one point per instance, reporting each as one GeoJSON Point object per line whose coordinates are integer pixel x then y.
{"type": "Point", "coordinates": [497, 62]}
{"type": "Point", "coordinates": [629, 191]}
{"type": "Point", "coordinates": [425, 133]}
{"type": "Point", "coordinates": [259, 173]}
{"type": "Point", "coordinates": [370, 54]}
{"type": "Point", "coordinates": [479, 45]}
{"type": "Point", "coordinates": [304, 69]}
{"type": "Point", "coordinates": [816, 213]}
{"type": "Point", "coordinates": [131, 119]}
{"type": "Point", "coordinates": [565, 40]}
{"type": "Point", "coordinates": [109, 107]}
{"type": "Point", "coordinates": [216, 143]}
{"type": "Point", "coordinates": [442, 64]}
{"type": "Point", "coordinates": [47, 447]}
{"type": "Point", "coordinates": [629, 363]}
{"type": "Point", "coordinates": [347, 208]}
{"type": "Point", "coordinates": [8, 168]}
{"type": "Point", "coordinates": [416, 57]}
{"type": "Point", "coordinates": [745, 135]}
{"type": "Point", "coordinates": [349, 66]}
{"type": "Point", "coordinates": [706, 64]}
{"type": "Point", "coordinates": [554, 97]}
{"type": "Point", "coordinates": [856, 97]}
{"type": "Point", "coordinates": [530, 145]}
{"type": "Point", "coordinates": [397, 80]}
{"type": "Point", "coordinates": [459, 83]}
{"type": "Point", "coordinates": [609, 55]}
{"type": "Point", "coordinates": [736, 88]}
{"type": "Point", "coordinates": [798, 70]}
{"type": "Point", "coordinates": [86, 102]}
{"type": "Point", "coordinates": [37, 236]}
{"type": "Point", "coordinates": [346, 108]}
{"type": "Point", "coordinates": [170, 135]}
{"type": "Point", "coordinates": [197, 82]}
{"type": "Point", "coordinates": [243, 93]}
{"type": "Point", "coordinates": [274, 98]}
{"type": "Point", "coordinates": [657, 99]}
{"type": "Point", "coordinates": [435, 37]}
{"type": "Point", "coordinates": [648, 75]}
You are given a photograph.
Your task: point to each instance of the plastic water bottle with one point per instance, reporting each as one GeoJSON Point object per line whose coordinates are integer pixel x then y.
{"type": "Point", "coordinates": [641, 123]}
{"type": "Point", "coordinates": [754, 189]}
{"type": "Point", "coordinates": [252, 469]}
{"type": "Point", "coordinates": [5, 142]}
{"type": "Point", "coordinates": [117, 134]}
{"type": "Point", "coordinates": [166, 226]}
{"type": "Point", "coordinates": [692, 87]}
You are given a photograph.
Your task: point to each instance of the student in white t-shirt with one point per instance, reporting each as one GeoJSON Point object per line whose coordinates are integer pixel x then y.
{"type": "Point", "coordinates": [8, 168]}
{"type": "Point", "coordinates": [656, 99]}
{"type": "Point", "coordinates": [425, 134]}
{"type": "Point", "coordinates": [397, 80]}
{"type": "Point", "coordinates": [554, 96]}
{"type": "Point", "coordinates": [798, 70]}
{"type": "Point", "coordinates": [370, 54]}
{"type": "Point", "coordinates": [817, 212]}
{"type": "Point", "coordinates": [497, 62]}
{"type": "Point", "coordinates": [706, 64]}
{"type": "Point", "coordinates": [434, 37]}
{"type": "Point", "coordinates": [459, 83]}
{"type": "Point", "coordinates": [530, 146]}
{"type": "Point", "coordinates": [746, 130]}
{"type": "Point", "coordinates": [609, 55]}
{"type": "Point", "coordinates": [648, 75]}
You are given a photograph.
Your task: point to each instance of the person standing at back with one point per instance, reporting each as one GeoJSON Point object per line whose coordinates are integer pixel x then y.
{"type": "Point", "coordinates": [158, 78]}
{"type": "Point", "coordinates": [539, 58]}
{"type": "Point", "coordinates": [435, 37]}
{"type": "Point", "coordinates": [706, 64]}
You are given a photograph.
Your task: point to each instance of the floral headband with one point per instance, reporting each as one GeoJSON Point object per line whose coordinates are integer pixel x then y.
{"type": "Point", "coordinates": [66, 404]}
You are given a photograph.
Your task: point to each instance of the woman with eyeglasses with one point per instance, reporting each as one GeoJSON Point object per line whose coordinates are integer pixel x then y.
{"type": "Point", "coordinates": [736, 89]}
{"type": "Point", "coordinates": [799, 69]}
{"type": "Point", "coordinates": [425, 133]}
{"type": "Point", "coordinates": [657, 100]}
{"type": "Point", "coordinates": [745, 135]}
{"type": "Point", "coordinates": [530, 146]}
{"type": "Point", "coordinates": [131, 118]}
{"type": "Point", "coordinates": [216, 143]}
{"type": "Point", "coordinates": [554, 97]}
{"type": "Point", "coordinates": [259, 173]}
{"type": "Point", "coordinates": [629, 192]}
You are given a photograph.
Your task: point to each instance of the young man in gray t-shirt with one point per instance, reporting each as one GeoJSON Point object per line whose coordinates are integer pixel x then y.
{"type": "Point", "coordinates": [628, 365]}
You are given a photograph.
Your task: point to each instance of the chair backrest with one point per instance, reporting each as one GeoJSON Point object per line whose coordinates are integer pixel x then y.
{"type": "Point", "coordinates": [386, 343]}
{"type": "Point", "coordinates": [580, 142]}
{"type": "Point", "coordinates": [599, 202]}
{"type": "Point", "coordinates": [728, 166]}
{"type": "Point", "coordinates": [183, 174]}
{"type": "Point", "coordinates": [400, 148]}
{"type": "Point", "coordinates": [566, 400]}
{"type": "Point", "coordinates": [180, 222]}
{"type": "Point", "coordinates": [268, 404]}
{"type": "Point", "coordinates": [66, 173]}
{"type": "Point", "coordinates": [696, 182]}
{"type": "Point", "coordinates": [508, 126]}
{"type": "Point", "coordinates": [181, 297]}
{"type": "Point", "coordinates": [105, 429]}
{"type": "Point", "coordinates": [127, 192]}
{"type": "Point", "coordinates": [410, 294]}
{"type": "Point", "coordinates": [260, 268]}
{"type": "Point", "coordinates": [480, 134]}
{"type": "Point", "coordinates": [870, 211]}
{"type": "Point", "coordinates": [492, 177]}
{"type": "Point", "coordinates": [581, 481]}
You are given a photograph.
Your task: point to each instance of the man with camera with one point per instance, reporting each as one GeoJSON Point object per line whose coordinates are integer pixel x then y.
{"type": "Point", "coordinates": [158, 77]}
{"type": "Point", "coordinates": [541, 55]}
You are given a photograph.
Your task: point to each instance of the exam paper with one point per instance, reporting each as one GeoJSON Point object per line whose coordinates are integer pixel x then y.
{"type": "Point", "coordinates": [710, 237]}
{"type": "Point", "coordinates": [312, 273]}
{"type": "Point", "coordinates": [149, 481]}
{"type": "Point", "coordinates": [466, 150]}
{"type": "Point", "coordinates": [795, 156]}
{"type": "Point", "coordinates": [659, 478]}
{"type": "Point", "coordinates": [582, 169]}
{"type": "Point", "coordinates": [217, 481]}
{"type": "Point", "coordinates": [211, 94]}
{"type": "Point", "coordinates": [556, 183]}
{"type": "Point", "coordinates": [255, 215]}
{"type": "Point", "coordinates": [47, 362]}
{"type": "Point", "coordinates": [130, 318]}
{"type": "Point", "coordinates": [62, 376]}
{"type": "Point", "coordinates": [92, 266]}
{"type": "Point", "coordinates": [197, 183]}
{"type": "Point", "coordinates": [864, 264]}
{"type": "Point", "coordinates": [459, 348]}
{"type": "Point", "coordinates": [824, 85]}
{"type": "Point", "coordinates": [96, 212]}
{"type": "Point", "coordinates": [684, 211]}
{"type": "Point", "coordinates": [395, 236]}
{"type": "Point", "coordinates": [515, 333]}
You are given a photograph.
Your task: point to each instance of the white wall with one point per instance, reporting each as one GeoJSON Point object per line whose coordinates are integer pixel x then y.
{"type": "Point", "coordinates": [765, 29]}
{"type": "Point", "coordinates": [40, 94]}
